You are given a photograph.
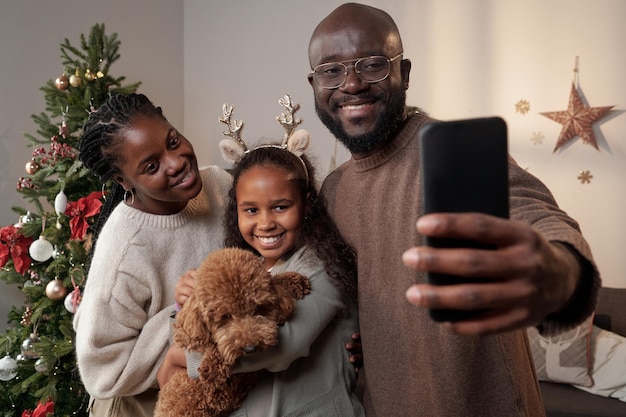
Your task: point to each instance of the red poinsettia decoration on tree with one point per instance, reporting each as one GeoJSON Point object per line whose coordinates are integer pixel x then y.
{"type": "Point", "coordinates": [80, 211]}
{"type": "Point", "coordinates": [14, 245]}
{"type": "Point", "coordinates": [42, 410]}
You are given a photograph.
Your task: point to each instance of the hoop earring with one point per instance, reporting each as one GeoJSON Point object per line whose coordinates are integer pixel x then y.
{"type": "Point", "coordinates": [132, 197]}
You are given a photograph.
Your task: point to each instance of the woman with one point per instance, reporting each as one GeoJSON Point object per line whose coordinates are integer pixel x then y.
{"type": "Point", "coordinates": [170, 218]}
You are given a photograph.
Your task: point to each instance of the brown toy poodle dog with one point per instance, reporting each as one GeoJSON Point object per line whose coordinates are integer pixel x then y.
{"type": "Point", "coordinates": [235, 310]}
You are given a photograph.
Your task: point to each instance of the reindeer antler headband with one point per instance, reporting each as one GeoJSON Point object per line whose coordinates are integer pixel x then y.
{"type": "Point", "coordinates": [294, 141]}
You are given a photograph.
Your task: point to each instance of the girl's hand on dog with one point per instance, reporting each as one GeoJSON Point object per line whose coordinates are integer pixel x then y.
{"type": "Point", "coordinates": [185, 287]}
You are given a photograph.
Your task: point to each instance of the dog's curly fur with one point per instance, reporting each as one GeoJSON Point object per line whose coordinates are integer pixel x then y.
{"type": "Point", "coordinates": [234, 311]}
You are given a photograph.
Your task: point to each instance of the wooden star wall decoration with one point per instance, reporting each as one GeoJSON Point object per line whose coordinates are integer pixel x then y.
{"type": "Point", "coordinates": [577, 120]}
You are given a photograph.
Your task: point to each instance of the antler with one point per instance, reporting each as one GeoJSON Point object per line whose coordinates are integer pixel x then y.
{"type": "Point", "coordinates": [287, 120]}
{"type": "Point", "coordinates": [234, 126]}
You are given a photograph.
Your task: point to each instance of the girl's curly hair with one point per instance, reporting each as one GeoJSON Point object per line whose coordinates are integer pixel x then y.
{"type": "Point", "coordinates": [318, 231]}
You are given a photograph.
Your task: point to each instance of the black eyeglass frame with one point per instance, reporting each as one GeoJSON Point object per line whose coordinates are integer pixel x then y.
{"type": "Point", "coordinates": [356, 62]}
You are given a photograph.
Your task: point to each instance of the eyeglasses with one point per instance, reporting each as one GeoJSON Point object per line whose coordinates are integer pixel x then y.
{"type": "Point", "coordinates": [370, 69]}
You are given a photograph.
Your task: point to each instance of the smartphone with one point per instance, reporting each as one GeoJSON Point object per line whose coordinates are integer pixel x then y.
{"type": "Point", "coordinates": [463, 168]}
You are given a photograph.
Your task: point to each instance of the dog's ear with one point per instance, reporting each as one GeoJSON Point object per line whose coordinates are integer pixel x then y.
{"type": "Point", "coordinates": [282, 287]}
{"type": "Point", "coordinates": [190, 330]}
{"type": "Point", "coordinates": [298, 284]}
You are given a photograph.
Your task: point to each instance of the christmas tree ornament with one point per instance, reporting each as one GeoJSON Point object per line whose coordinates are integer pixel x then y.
{"type": "Point", "coordinates": [578, 119]}
{"type": "Point", "coordinates": [75, 80]}
{"type": "Point", "coordinates": [8, 368]}
{"type": "Point", "coordinates": [64, 130]}
{"type": "Point", "coordinates": [55, 290]}
{"type": "Point", "coordinates": [41, 249]}
{"type": "Point", "coordinates": [99, 74]}
{"type": "Point", "coordinates": [28, 313]}
{"type": "Point", "coordinates": [41, 365]}
{"type": "Point", "coordinates": [72, 301]}
{"type": "Point", "coordinates": [27, 218]}
{"type": "Point", "coordinates": [56, 252]}
{"type": "Point", "coordinates": [31, 167]}
{"type": "Point", "coordinates": [28, 347]}
{"type": "Point", "coordinates": [62, 83]}
{"type": "Point", "coordinates": [60, 203]}
{"type": "Point", "coordinates": [89, 76]}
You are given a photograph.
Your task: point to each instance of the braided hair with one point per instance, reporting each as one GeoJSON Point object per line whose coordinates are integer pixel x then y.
{"type": "Point", "coordinates": [318, 231]}
{"type": "Point", "coordinates": [101, 133]}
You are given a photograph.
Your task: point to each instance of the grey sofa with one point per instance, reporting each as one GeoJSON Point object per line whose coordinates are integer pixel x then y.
{"type": "Point", "coordinates": [563, 400]}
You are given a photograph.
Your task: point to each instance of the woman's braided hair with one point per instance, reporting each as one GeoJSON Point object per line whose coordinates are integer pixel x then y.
{"type": "Point", "coordinates": [104, 130]}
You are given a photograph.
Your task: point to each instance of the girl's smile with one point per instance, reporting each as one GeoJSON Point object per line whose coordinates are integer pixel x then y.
{"type": "Point", "coordinates": [270, 210]}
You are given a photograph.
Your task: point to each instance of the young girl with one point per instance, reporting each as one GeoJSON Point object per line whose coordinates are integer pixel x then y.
{"type": "Point", "coordinates": [170, 218]}
{"type": "Point", "coordinates": [275, 211]}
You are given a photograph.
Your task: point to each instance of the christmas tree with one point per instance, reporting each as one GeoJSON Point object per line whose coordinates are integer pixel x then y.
{"type": "Point", "coordinates": [46, 252]}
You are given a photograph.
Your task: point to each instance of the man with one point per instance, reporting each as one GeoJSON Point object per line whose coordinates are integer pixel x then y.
{"type": "Point", "coordinates": [542, 272]}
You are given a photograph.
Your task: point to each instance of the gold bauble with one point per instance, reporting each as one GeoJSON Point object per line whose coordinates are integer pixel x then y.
{"type": "Point", "coordinates": [55, 290]}
{"type": "Point", "coordinates": [75, 80]}
{"type": "Point", "coordinates": [89, 76]}
{"type": "Point", "coordinates": [31, 167]}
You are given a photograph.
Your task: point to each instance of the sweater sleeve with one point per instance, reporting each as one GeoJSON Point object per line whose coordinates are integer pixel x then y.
{"type": "Point", "coordinates": [532, 202]}
{"type": "Point", "coordinates": [121, 335]}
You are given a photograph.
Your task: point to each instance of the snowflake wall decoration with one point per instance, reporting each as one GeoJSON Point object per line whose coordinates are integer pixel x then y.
{"type": "Point", "coordinates": [585, 177]}
{"type": "Point", "coordinates": [522, 107]}
{"type": "Point", "coordinates": [537, 138]}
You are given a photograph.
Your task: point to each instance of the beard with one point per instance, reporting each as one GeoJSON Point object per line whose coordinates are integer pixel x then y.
{"type": "Point", "coordinates": [385, 125]}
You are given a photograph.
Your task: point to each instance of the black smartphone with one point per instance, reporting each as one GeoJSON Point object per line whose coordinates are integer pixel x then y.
{"type": "Point", "coordinates": [463, 168]}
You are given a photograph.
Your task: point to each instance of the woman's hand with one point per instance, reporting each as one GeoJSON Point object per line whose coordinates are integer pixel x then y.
{"type": "Point", "coordinates": [173, 362]}
{"type": "Point", "coordinates": [185, 287]}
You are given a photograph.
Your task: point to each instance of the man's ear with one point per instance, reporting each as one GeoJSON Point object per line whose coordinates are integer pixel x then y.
{"type": "Point", "coordinates": [405, 68]}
